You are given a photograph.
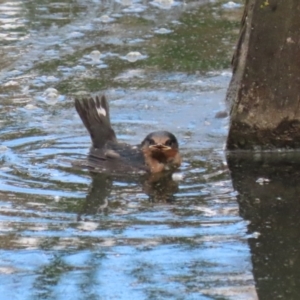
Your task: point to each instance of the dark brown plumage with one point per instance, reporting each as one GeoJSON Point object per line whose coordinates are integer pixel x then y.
{"type": "Point", "coordinates": [158, 152]}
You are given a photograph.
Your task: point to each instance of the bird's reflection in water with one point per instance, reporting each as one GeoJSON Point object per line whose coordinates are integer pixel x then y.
{"type": "Point", "coordinates": [160, 188]}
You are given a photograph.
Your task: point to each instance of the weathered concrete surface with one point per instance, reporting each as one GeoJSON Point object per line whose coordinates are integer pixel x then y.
{"type": "Point", "coordinates": [265, 89]}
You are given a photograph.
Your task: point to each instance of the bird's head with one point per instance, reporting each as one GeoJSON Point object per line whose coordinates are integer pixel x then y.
{"type": "Point", "coordinates": [161, 151]}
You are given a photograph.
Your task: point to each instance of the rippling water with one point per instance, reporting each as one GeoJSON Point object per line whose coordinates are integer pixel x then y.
{"type": "Point", "coordinates": [66, 233]}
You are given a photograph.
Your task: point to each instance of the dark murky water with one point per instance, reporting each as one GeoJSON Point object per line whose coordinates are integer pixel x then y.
{"type": "Point", "coordinates": [66, 234]}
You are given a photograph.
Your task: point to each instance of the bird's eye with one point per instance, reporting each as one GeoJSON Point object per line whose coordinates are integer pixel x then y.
{"type": "Point", "coordinates": [151, 142]}
{"type": "Point", "coordinates": [168, 143]}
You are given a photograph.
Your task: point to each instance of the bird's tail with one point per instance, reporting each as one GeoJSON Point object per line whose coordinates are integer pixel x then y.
{"type": "Point", "coordinates": [94, 113]}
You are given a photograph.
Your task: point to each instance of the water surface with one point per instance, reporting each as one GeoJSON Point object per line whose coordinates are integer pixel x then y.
{"type": "Point", "coordinates": [68, 234]}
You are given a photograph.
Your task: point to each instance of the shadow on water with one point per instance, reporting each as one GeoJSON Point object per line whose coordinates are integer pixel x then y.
{"type": "Point", "coordinates": [268, 196]}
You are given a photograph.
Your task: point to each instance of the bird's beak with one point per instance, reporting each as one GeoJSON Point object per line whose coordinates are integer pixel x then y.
{"type": "Point", "coordinates": [159, 147]}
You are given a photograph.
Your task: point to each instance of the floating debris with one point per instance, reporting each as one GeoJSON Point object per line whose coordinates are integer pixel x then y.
{"type": "Point", "coordinates": [262, 180]}
{"type": "Point", "coordinates": [177, 176]}
{"type": "Point", "coordinates": [51, 96]}
{"type": "Point", "coordinates": [134, 56]}
{"type": "Point", "coordinates": [11, 83]}
{"type": "Point", "coordinates": [50, 91]}
{"type": "Point", "coordinates": [253, 235]}
{"type": "Point", "coordinates": [56, 198]}
{"type": "Point", "coordinates": [87, 226]}
{"type": "Point", "coordinates": [163, 31]}
{"type": "Point", "coordinates": [95, 55]}
{"type": "Point", "coordinates": [231, 5]}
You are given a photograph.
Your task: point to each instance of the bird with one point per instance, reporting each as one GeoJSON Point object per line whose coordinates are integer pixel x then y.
{"type": "Point", "coordinates": [158, 152]}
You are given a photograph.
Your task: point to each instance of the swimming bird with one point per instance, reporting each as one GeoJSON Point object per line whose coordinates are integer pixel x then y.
{"type": "Point", "coordinates": [158, 152]}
